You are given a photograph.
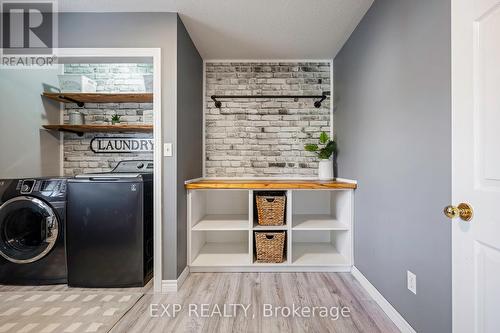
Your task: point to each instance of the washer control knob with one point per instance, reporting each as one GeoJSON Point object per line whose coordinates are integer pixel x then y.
{"type": "Point", "coordinates": [140, 165]}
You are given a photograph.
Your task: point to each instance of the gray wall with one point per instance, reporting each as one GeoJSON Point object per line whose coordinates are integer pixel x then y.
{"type": "Point", "coordinates": [27, 149]}
{"type": "Point", "coordinates": [392, 119]}
{"type": "Point", "coordinates": [135, 30]}
{"type": "Point", "coordinates": [189, 130]}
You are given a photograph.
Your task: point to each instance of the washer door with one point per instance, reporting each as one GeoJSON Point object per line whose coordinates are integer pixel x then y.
{"type": "Point", "coordinates": [28, 229]}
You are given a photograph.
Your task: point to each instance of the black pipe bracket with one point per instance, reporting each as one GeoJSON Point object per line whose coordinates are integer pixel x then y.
{"type": "Point", "coordinates": [317, 104]}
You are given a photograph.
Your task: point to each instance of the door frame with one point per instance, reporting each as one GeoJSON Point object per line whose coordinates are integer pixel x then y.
{"type": "Point", "coordinates": [155, 55]}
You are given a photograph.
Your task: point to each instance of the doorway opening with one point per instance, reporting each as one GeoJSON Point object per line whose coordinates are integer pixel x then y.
{"type": "Point", "coordinates": [110, 135]}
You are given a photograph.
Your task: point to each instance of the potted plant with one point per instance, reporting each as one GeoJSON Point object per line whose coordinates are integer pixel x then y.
{"type": "Point", "coordinates": [115, 119]}
{"type": "Point", "coordinates": [324, 150]}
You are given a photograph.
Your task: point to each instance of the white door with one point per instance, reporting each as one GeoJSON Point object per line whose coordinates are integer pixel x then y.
{"type": "Point", "coordinates": [476, 164]}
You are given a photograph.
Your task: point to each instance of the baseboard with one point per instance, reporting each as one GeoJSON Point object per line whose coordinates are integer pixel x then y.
{"type": "Point", "coordinates": [172, 286]}
{"type": "Point", "coordinates": [389, 310]}
{"type": "Point", "coordinates": [268, 269]}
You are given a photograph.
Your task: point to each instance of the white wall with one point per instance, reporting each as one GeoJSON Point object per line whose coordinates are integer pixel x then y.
{"type": "Point", "coordinates": [27, 150]}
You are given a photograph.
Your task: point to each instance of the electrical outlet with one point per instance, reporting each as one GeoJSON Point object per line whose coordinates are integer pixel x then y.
{"type": "Point", "coordinates": [411, 282]}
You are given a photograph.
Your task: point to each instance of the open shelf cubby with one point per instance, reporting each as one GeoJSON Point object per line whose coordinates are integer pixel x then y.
{"type": "Point", "coordinates": [255, 215]}
{"type": "Point", "coordinates": [254, 250]}
{"type": "Point", "coordinates": [321, 210]}
{"type": "Point", "coordinates": [220, 248]}
{"type": "Point", "coordinates": [219, 210]}
{"type": "Point", "coordinates": [320, 248]}
{"type": "Point", "coordinates": [222, 223]}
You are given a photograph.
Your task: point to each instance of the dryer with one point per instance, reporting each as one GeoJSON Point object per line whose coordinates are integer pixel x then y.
{"type": "Point", "coordinates": [32, 227]}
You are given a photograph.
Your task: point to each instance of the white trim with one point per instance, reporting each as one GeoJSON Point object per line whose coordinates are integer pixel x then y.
{"type": "Point", "coordinates": [269, 268]}
{"type": "Point", "coordinates": [106, 52]}
{"type": "Point", "coordinates": [345, 180]}
{"type": "Point", "coordinates": [331, 99]}
{"type": "Point", "coordinates": [189, 226]}
{"type": "Point", "coordinates": [182, 278]}
{"type": "Point", "coordinates": [154, 53]}
{"type": "Point", "coordinates": [389, 310]}
{"type": "Point", "coordinates": [173, 286]}
{"type": "Point", "coordinates": [158, 171]}
{"type": "Point", "coordinates": [61, 134]}
{"type": "Point", "coordinates": [267, 60]}
{"type": "Point", "coordinates": [204, 110]}
{"type": "Point", "coordinates": [262, 178]}
{"type": "Point", "coordinates": [194, 180]}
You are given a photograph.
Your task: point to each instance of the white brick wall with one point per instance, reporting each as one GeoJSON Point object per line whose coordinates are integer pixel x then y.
{"type": "Point", "coordinates": [78, 158]}
{"type": "Point", "coordinates": [264, 137]}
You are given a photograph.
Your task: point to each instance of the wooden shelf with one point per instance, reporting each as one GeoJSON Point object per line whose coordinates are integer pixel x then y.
{"type": "Point", "coordinates": [222, 222]}
{"type": "Point", "coordinates": [317, 222]}
{"type": "Point", "coordinates": [80, 129]}
{"type": "Point", "coordinates": [267, 184]}
{"type": "Point", "coordinates": [100, 97]}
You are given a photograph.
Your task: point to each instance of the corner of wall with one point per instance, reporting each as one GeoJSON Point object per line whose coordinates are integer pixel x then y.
{"type": "Point", "coordinates": [189, 153]}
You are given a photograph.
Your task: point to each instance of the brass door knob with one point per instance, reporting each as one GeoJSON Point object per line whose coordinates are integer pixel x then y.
{"type": "Point", "coordinates": [464, 211]}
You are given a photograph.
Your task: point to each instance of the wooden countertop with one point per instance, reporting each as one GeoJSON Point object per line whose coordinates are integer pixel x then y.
{"type": "Point", "coordinates": [272, 184]}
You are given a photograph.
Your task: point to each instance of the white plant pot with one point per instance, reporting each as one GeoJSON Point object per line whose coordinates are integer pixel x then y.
{"type": "Point", "coordinates": [325, 170]}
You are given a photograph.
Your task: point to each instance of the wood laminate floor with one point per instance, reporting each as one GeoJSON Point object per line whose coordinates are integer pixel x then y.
{"type": "Point", "coordinates": [203, 293]}
{"type": "Point", "coordinates": [276, 289]}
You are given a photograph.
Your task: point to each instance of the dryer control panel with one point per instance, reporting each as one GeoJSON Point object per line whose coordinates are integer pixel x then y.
{"type": "Point", "coordinates": [27, 186]}
{"type": "Point", "coordinates": [45, 187]}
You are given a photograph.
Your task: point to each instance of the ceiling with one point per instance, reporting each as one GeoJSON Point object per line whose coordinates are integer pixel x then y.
{"type": "Point", "coordinates": [252, 29]}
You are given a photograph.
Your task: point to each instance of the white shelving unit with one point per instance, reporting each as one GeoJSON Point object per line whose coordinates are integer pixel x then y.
{"type": "Point", "coordinates": [222, 222]}
{"type": "Point", "coordinates": [318, 226]}
{"type": "Point", "coordinates": [314, 254]}
{"type": "Point", "coordinates": [317, 222]}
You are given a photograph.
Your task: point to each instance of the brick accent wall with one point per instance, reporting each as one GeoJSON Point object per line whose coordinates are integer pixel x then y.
{"type": "Point", "coordinates": [78, 157]}
{"type": "Point", "coordinates": [264, 137]}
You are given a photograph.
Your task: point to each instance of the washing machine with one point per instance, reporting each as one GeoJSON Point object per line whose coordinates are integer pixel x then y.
{"type": "Point", "coordinates": [32, 227]}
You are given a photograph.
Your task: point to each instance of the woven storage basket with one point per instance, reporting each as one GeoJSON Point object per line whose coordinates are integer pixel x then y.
{"type": "Point", "coordinates": [271, 209]}
{"type": "Point", "coordinates": [270, 246]}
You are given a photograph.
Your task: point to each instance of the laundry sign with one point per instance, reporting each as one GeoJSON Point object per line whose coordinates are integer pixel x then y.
{"type": "Point", "coordinates": [120, 145]}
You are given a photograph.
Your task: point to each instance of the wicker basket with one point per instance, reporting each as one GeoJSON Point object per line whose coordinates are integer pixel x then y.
{"type": "Point", "coordinates": [271, 209]}
{"type": "Point", "coordinates": [270, 246]}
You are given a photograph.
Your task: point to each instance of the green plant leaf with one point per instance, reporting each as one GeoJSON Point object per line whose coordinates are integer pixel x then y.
{"type": "Point", "coordinates": [323, 138]}
{"type": "Point", "coordinates": [332, 146]}
{"type": "Point", "coordinates": [324, 154]}
{"type": "Point", "coordinates": [327, 151]}
{"type": "Point", "coordinates": [311, 147]}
